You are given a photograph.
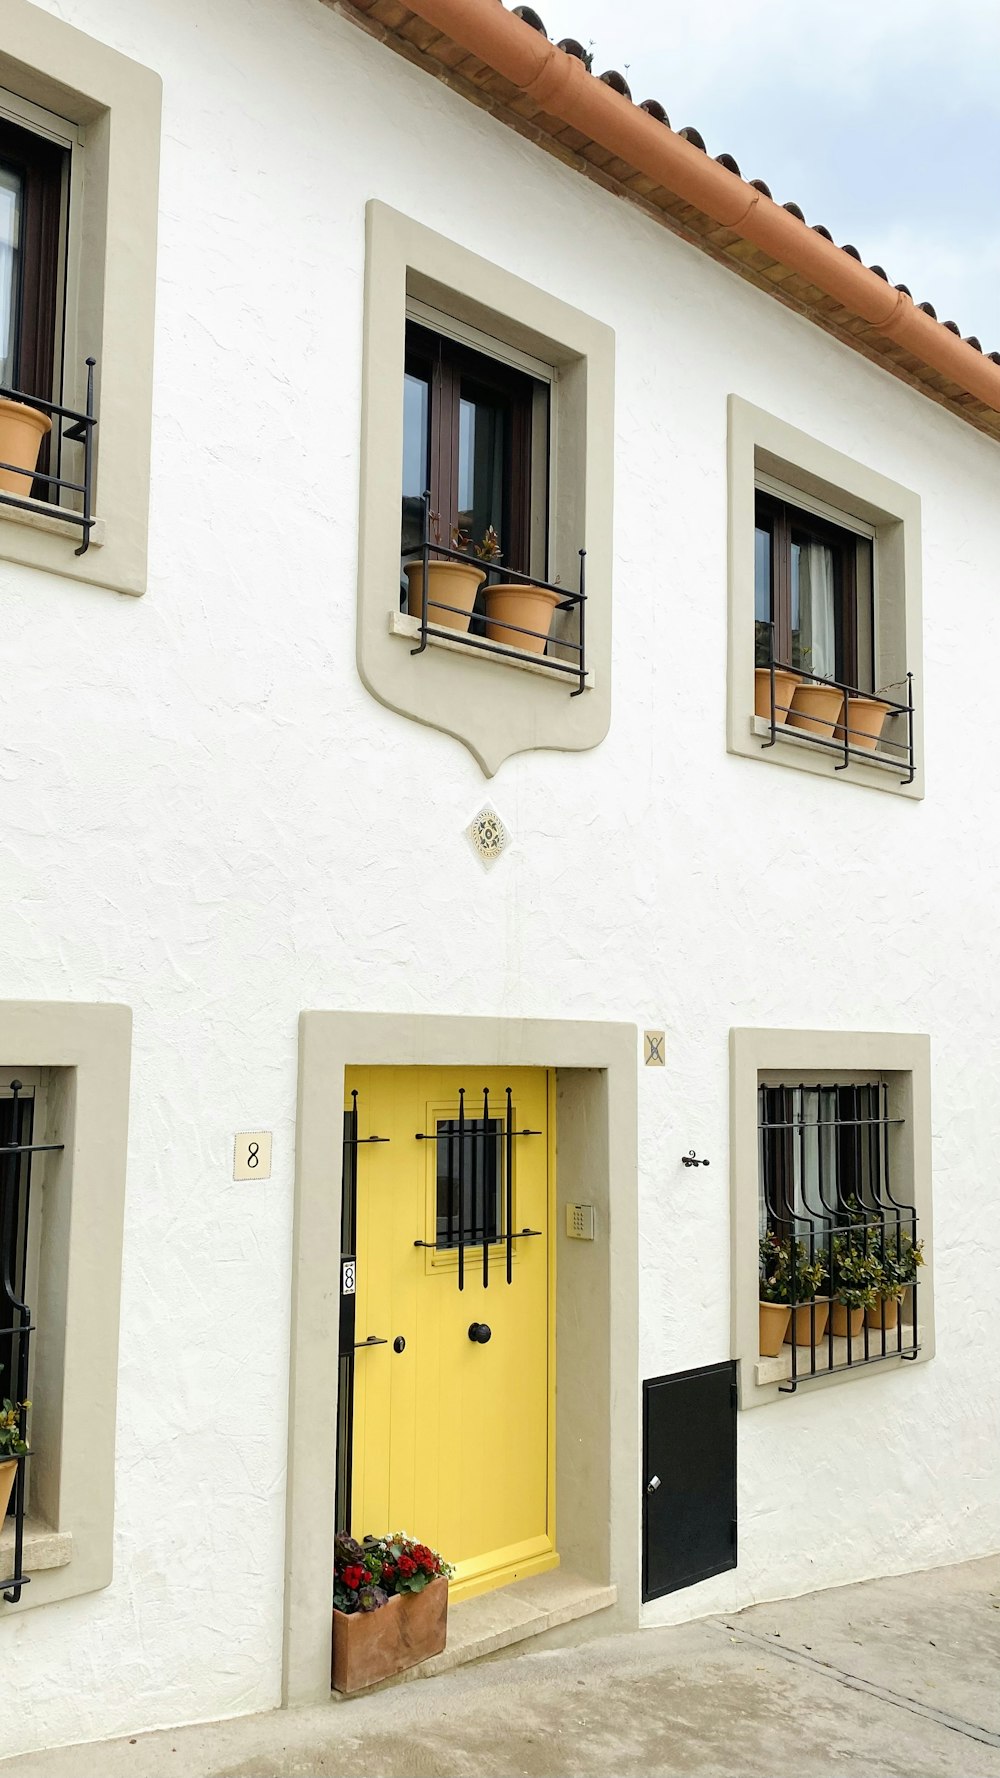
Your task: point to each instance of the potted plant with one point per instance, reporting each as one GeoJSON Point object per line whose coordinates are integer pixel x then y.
{"type": "Point", "coordinates": [865, 717]}
{"type": "Point", "coordinates": [390, 1608]}
{"type": "Point", "coordinates": [810, 1310]}
{"type": "Point", "coordinates": [816, 708]}
{"type": "Point", "coordinates": [12, 1446]}
{"type": "Point", "coordinates": [785, 682]}
{"type": "Point", "coordinates": [452, 586]}
{"type": "Point", "coordinates": [22, 429]}
{"type": "Point", "coordinates": [852, 1285]}
{"type": "Point", "coordinates": [515, 607]}
{"type": "Point", "coordinates": [895, 1260]}
{"type": "Point", "coordinates": [774, 1309]}
{"type": "Point", "coordinates": [789, 1282]}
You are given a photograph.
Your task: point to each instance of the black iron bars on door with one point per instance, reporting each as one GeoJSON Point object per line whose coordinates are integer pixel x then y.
{"type": "Point", "coordinates": [471, 1131]}
{"type": "Point", "coordinates": [352, 1139]}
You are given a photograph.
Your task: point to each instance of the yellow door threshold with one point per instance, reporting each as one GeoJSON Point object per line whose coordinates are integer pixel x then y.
{"type": "Point", "coordinates": [490, 1621]}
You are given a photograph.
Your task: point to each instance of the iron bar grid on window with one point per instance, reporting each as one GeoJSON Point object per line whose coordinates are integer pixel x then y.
{"type": "Point", "coordinates": [63, 496]}
{"type": "Point", "coordinates": [475, 1184]}
{"type": "Point", "coordinates": [839, 1244]}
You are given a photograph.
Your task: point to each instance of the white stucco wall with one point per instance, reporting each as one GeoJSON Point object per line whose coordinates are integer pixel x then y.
{"type": "Point", "coordinates": [207, 817]}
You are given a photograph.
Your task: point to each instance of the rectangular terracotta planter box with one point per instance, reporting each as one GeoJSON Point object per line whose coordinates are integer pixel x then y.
{"type": "Point", "coordinates": [373, 1645]}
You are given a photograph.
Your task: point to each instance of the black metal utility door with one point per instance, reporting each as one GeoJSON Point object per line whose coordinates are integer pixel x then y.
{"type": "Point", "coordinates": [689, 1477]}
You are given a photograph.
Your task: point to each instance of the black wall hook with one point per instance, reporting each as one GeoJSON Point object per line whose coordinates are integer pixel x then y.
{"type": "Point", "coordinates": [691, 1160]}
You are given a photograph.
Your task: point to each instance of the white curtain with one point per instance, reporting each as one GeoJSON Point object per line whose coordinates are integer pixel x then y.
{"type": "Point", "coordinates": [816, 1109]}
{"type": "Point", "coordinates": [817, 632]}
{"type": "Point", "coordinates": [10, 219]}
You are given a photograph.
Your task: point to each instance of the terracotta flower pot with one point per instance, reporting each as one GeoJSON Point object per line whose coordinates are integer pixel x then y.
{"type": "Point", "coordinates": [784, 685]}
{"type": "Point", "coordinates": [527, 607]}
{"type": "Point", "coordinates": [373, 1645]}
{"type": "Point", "coordinates": [774, 1319]}
{"type": "Point", "coordinates": [801, 1329]}
{"type": "Point", "coordinates": [843, 1318]}
{"type": "Point", "coordinates": [8, 1475]}
{"type": "Point", "coordinates": [453, 585]}
{"type": "Point", "coordinates": [866, 719]}
{"type": "Point", "coordinates": [22, 429]}
{"type": "Point", "coordinates": [816, 709]}
{"type": "Point", "coordinates": [874, 1316]}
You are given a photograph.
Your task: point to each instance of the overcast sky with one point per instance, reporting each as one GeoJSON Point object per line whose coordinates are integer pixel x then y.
{"type": "Point", "coordinates": [880, 118]}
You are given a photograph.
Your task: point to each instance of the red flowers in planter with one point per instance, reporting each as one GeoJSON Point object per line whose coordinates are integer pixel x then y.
{"type": "Point", "coordinates": [368, 1575]}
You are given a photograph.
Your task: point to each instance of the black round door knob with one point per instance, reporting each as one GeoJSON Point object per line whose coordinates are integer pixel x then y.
{"type": "Point", "coordinates": [399, 1344]}
{"type": "Point", "coordinates": [480, 1333]}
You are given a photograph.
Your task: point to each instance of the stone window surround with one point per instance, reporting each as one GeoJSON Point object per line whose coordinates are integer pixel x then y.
{"type": "Point", "coordinates": [112, 279]}
{"type": "Point", "coordinates": [597, 1402]}
{"type": "Point", "coordinates": [85, 1053]}
{"type": "Point", "coordinates": [824, 1056]}
{"type": "Point", "coordinates": [493, 710]}
{"type": "Point", "coordinates": [762, 446]}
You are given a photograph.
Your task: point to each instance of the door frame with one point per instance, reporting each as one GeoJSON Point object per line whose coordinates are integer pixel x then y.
{"type": "Point", "coordinates": [596, 1302]}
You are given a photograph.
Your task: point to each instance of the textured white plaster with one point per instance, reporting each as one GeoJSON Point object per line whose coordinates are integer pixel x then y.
{"type": "Point", "coordinates": [207, 817]}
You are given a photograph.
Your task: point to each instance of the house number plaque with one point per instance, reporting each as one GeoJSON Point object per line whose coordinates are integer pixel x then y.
{"type": "Point", "coordinates": [348, 1277]}
{"type": "Point", "coordinates": [252, 1155]}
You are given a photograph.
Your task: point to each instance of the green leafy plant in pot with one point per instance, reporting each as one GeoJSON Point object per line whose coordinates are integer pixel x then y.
{"type": "Point", "coordinates": [788, 1303]}
{"type": "Point", "coordinates": [853, 1283]}
{"type": "Point", "coordinates": [12, 1446]}
{"type": "Point", "coordinates": [895, 1258]}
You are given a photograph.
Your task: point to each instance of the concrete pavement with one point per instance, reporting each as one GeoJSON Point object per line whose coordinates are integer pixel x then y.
{"type": "Point", "coordinates": [895, 1677]}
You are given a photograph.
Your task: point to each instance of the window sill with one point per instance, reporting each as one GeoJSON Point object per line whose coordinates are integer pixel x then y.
{"type": "Point", "coordinates": [768, 1371]}
{"type": "Point", "coordinates": [882, 764]}
{"type": "Point", "coordinates": [43, 517]}
{"type": "Point", "coordinates": [401, 624]}
{"type": "Point", "coordinates": [43, 1547]}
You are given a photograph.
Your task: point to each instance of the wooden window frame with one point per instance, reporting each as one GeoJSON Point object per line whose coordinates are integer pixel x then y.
{"type": "Point", "coordinates": [42, 165]}
{"type": "Point", "coordinates": [444, 364]}
{"type": "Point", "coordinates": [782, 519]}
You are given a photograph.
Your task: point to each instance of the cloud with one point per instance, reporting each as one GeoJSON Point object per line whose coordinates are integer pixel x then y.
{"type": "Point", "coordinates": [881, 118]}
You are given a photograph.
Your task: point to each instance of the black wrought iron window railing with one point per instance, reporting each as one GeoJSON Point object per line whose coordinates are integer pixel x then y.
{"type": "Point", "coordinates": [17, 1152]}
{"type": "Point", "coordinates": [62, 482]}
{"type": "Point", "coordinates": [839, 1245]}
{"type": "Point", "coordinates": [854, 724]}
{"type": "Point", "coordinates": [502, 636]}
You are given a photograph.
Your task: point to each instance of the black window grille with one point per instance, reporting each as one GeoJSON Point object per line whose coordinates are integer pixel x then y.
{"type": "Point", "coordinates": [839, 1245]}
{"type": "Point", "coordinates": [475, 1184]}
{"type": "Point", "coordinates": [17, 1151]}
{"type": "Point", "coordinates": [480, 1215]}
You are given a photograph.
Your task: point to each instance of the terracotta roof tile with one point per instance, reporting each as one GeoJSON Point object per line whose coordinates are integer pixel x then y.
{"type": "Point", "coordinates": [613, 79]}
{"type": "Point", "coordinates": [748, 242]}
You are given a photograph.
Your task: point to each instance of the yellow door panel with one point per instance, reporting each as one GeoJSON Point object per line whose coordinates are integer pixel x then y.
{"type": "Point", "coordinates": [452, 1434]}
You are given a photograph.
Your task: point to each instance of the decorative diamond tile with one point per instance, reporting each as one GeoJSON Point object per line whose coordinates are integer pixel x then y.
{"type": "Point", "coordinates": [487, 835]}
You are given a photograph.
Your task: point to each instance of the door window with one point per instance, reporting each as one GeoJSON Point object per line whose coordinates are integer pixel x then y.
{"type": "Point", "coordinates": [469, 1170]}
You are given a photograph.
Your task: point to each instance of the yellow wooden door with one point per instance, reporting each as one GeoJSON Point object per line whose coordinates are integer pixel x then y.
{"type": "Point", "coordinates": [452, 1435]}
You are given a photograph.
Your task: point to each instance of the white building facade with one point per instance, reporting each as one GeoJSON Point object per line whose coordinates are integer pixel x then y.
{"type": "Point", "coordinates": [238, 875]}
